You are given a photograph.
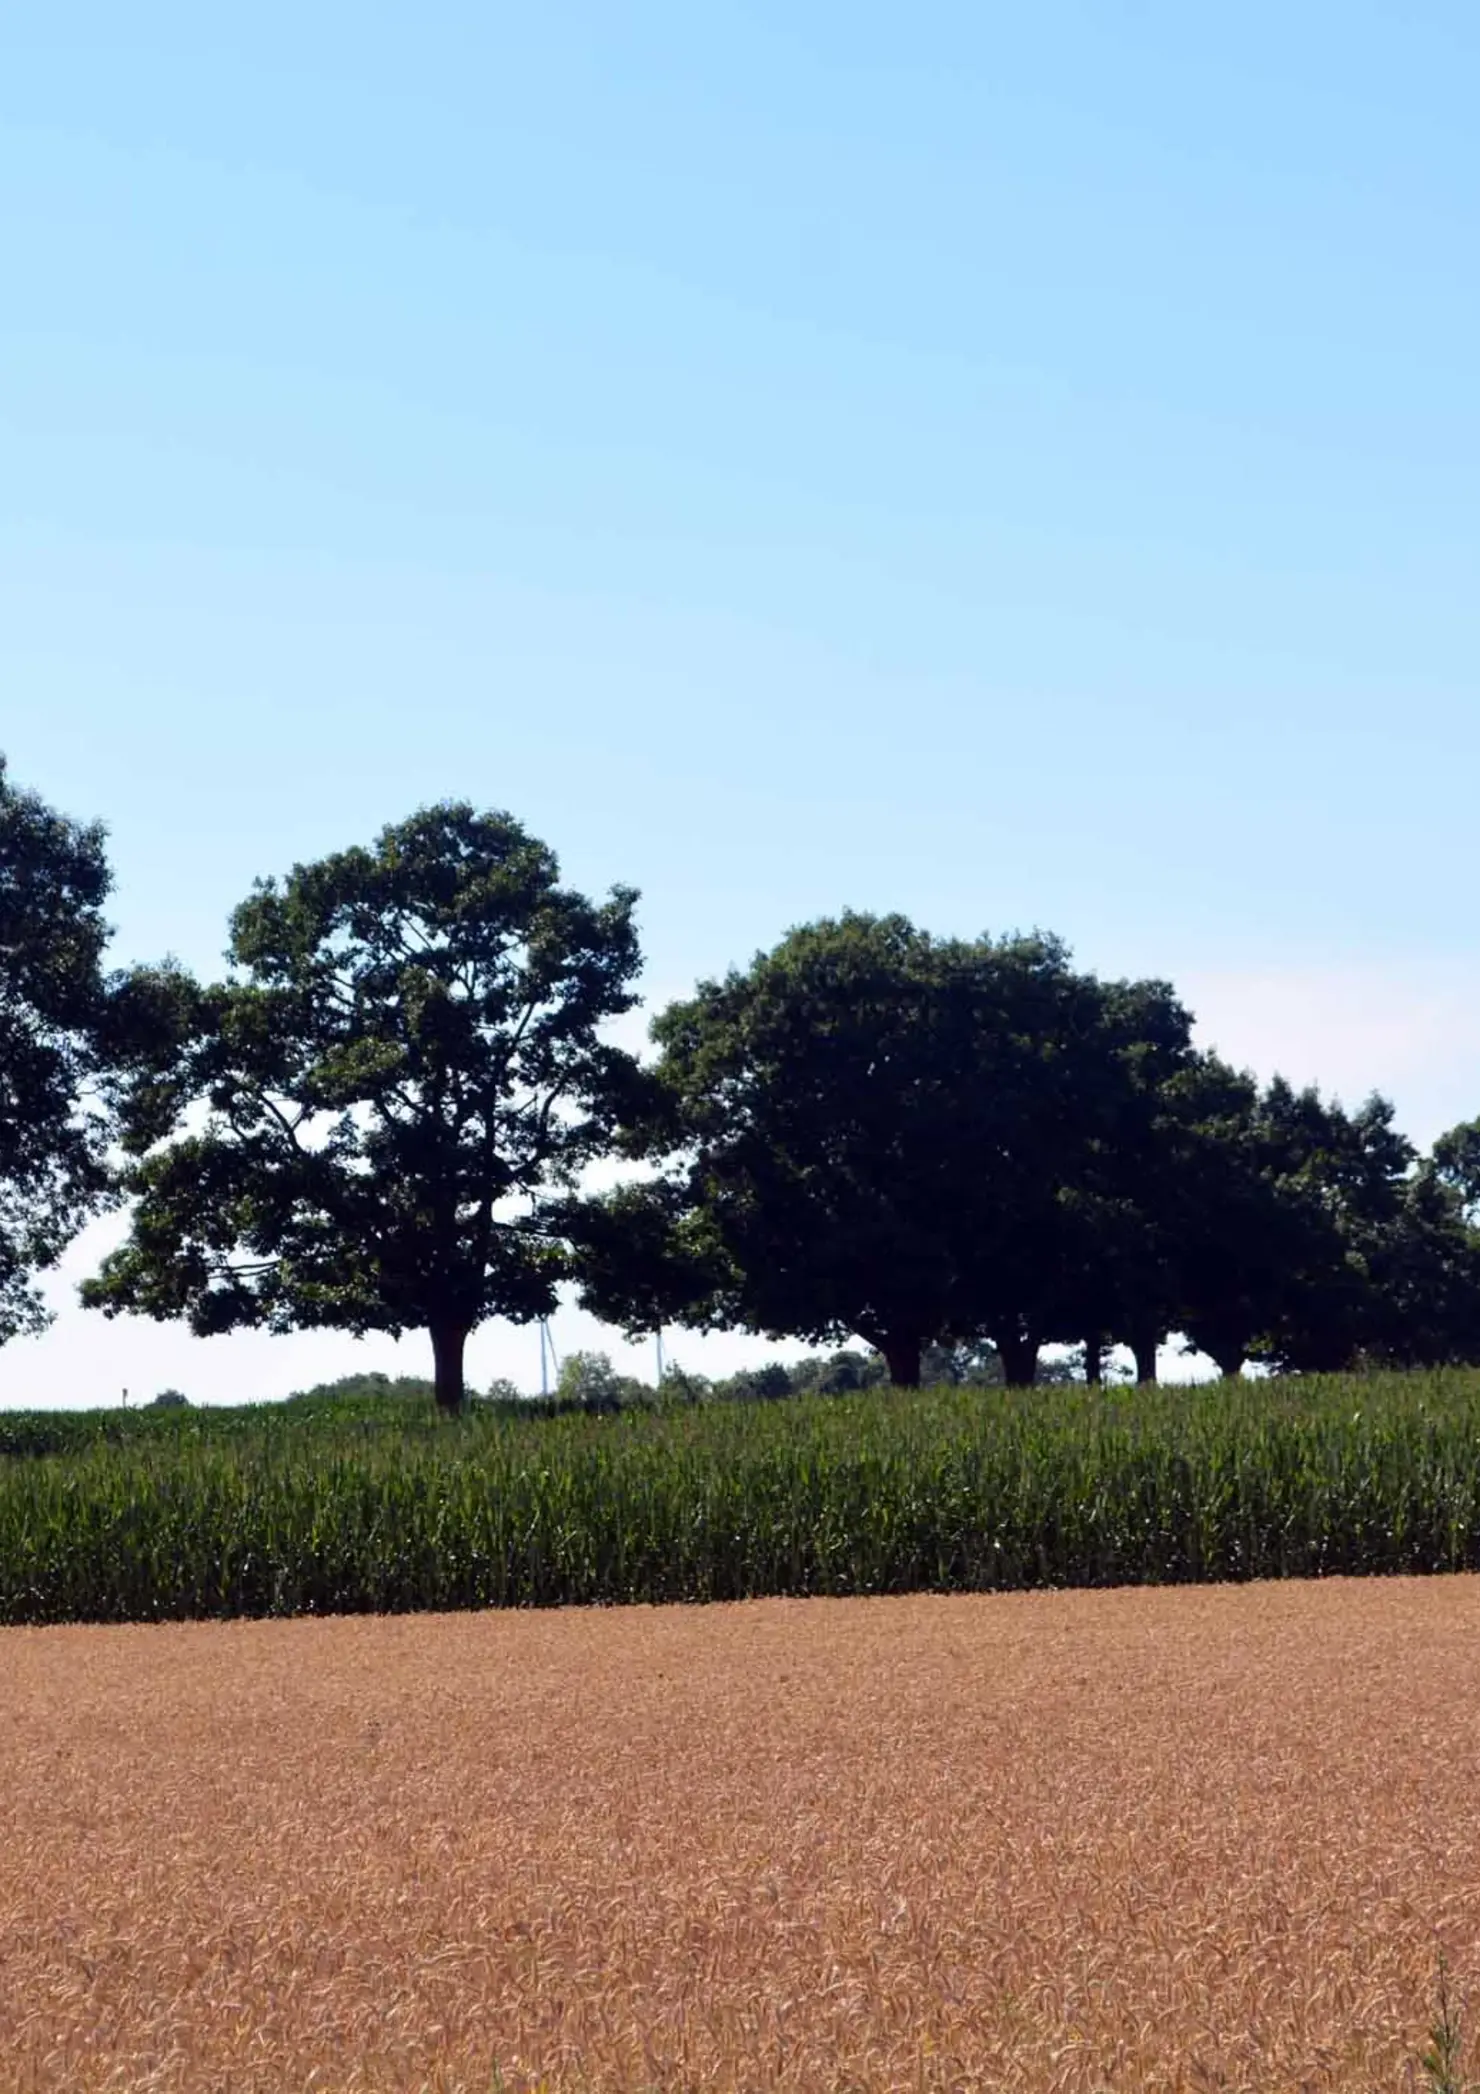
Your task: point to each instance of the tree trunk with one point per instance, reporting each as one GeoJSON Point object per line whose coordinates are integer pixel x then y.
{"type": "Point", "coordinates": [1094, 1358]}
{"type": "Point", "coordinates": [1143, 1345]}
{"type": "Point", "coordinates": [1225, 1348]}
{"type": "Point", "coordinates": [1019, 1361]}
{"type": "Point", "coordinates": [1225, 1344]}
{"type": "Point", "coordinates": [448, 1340]}
{"type": "Point", "coordinates": [902, 1357]}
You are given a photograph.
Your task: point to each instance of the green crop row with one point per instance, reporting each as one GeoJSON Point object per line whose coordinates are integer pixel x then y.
{"type": "Point", "coordinates": [281, 1512]}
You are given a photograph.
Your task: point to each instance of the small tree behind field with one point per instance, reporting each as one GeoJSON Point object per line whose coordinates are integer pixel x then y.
{"type": "Point", "coordinates": [592, 1381]}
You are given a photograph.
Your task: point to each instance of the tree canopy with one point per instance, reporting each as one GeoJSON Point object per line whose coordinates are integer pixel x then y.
{"type": "Point", "coordinates": [373, 1114]}
{"type": "Point", "coordinates": [59, 1032]}
{"type": "Point", "coordinates": [930, 1143]}
{"type": "Point", "coordinates": [876, 1132]}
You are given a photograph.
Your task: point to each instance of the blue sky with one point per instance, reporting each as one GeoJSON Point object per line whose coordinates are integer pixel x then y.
{"type": "Point", "coordinates": [1016, 465]}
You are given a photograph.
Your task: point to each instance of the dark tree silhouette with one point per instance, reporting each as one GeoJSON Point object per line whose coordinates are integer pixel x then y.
{"type": "Point", "coordinates": [404, 1071]}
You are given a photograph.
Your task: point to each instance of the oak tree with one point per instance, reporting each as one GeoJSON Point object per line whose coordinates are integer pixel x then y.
{"type": "Point", "coordinates": [378, 1112]}
{"type": "Point", "coordinates": [869, 1132]}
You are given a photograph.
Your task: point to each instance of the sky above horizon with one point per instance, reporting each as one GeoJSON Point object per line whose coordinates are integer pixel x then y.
{"type": "Point", "coordinates": [1016, 466]}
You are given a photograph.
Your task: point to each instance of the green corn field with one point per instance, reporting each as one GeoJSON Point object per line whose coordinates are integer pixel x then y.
{"type": "Point", "coordinates": [389, 1508]}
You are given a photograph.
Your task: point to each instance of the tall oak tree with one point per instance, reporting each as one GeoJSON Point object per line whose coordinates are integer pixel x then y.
{"type": "Point", "coordinates": [376, 1113]}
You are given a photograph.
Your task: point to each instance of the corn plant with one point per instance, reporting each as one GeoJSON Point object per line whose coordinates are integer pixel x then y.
{"type": "Point", "coordinates": [389, 1508]}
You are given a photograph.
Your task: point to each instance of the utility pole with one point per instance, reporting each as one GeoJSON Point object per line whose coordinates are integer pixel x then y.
{"type": "Point", "coordinates": [660, 1356]}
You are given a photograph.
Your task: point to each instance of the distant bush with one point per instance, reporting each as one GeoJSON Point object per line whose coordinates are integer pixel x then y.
{"type": "Point", "coordinates": [761, 1384]}
{"type": "Point", "coordinates": [589, 1382]}
{"type": "Point", "coordinates": [366, 1388]}
{"type": "Point", "coordinates": [169, 1400]}
{"type": "Point", "coordinates": [834, 1374]}
{"type": "Point", "coordinates": [680, 1386]}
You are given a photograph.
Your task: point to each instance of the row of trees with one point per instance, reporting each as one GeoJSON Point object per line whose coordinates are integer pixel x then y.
{"type": "Point", "coordinates": [589, 1380]}
{"type": "Point", "coordinates": [384, 1116]}
{"type": "Point", "coordinates": [923, 1140]}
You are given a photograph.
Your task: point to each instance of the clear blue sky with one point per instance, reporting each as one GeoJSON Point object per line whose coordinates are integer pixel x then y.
{"type": "Point", "coordinates": [1017, 465]}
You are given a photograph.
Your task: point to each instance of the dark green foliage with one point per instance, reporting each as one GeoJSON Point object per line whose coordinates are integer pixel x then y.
{"type": "Point", "coordinates": [765, 1384]}
{"type": "Point", "coordinates": [54, 1124]}
{"type": "Point", "coordinates": [403, 1066]}
{"type": "Point", "coordinates": [357, 1389]}
{"type": "Point", "coordinates": [979, 1366]}
{"type": "Point", "coordinates": [1424, 1266]}
{"type": "Point", "coordinates": [588, 1381]}
{"type": "Point", "coordinates": [1320, 1240]}
{"type": "Point", "coordinates": [838, 1373]}
{"type": "Point", "coordinates": [388, 1506]}
{"type": "Point", "coordinates": [939, 1145]}
{"type": "Point", "coordinates": [874, 1131]}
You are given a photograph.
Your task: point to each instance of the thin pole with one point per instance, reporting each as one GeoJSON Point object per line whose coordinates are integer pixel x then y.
{"type": "Point", "coordinates": [660, 1356]}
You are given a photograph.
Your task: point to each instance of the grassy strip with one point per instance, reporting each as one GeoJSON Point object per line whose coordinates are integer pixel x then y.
{"type": "Point", "coordinates": [388, 1508]}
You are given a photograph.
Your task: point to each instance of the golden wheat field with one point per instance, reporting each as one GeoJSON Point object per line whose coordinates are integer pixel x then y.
{"type": "Point", "coordinates": [1207, 1838]}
